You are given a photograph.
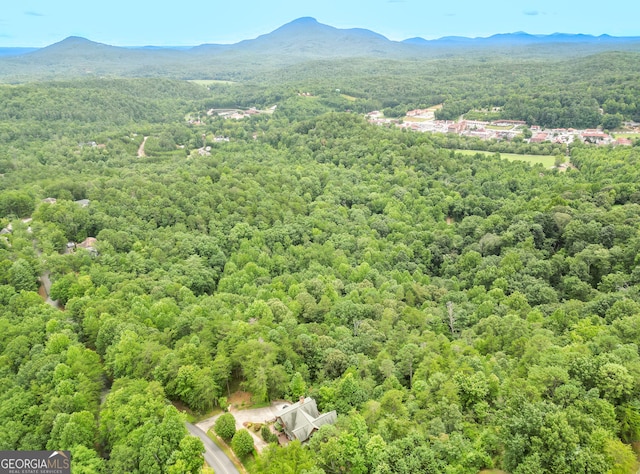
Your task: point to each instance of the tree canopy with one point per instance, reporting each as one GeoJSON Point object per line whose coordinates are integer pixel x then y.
{"type": "Point", "coordinates": [460, 312]}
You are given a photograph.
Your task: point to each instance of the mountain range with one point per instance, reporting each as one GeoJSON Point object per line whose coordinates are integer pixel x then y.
{"type": "Point", "coordinates": [301, 40]}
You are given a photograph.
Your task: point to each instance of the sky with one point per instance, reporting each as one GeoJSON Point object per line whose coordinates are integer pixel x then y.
{"type": "Point", "coordinates": [38, 23]}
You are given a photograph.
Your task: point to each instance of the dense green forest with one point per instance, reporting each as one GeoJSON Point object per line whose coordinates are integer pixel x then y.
{"type": "Point", "coordinates": [592, 91]}
{"type": "Point", "coordinates": [459, 312]}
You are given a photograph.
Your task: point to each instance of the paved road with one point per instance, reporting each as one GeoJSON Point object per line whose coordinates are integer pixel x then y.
{"type": "Point", "coordinates": [214, 456]}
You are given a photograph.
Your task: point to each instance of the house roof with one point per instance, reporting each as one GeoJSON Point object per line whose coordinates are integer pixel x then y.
{"type": "Point", "coordinates": [302, 418]}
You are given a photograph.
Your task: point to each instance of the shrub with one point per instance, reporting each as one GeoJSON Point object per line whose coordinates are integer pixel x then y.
{"type": "Point", "coordinates": [242, 443]}
{"type": "Point", "coordinates": [225, 426]}
{"type": "Point", "coordinates": [267, 435]}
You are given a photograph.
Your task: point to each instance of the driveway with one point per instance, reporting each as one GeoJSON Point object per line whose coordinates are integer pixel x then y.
{"type": "Point", "coordinates": [252, 415]}
{"type": "Point", "coordinates": [46, 288]}
{"type": "Point", "coordinates": [215, 457]}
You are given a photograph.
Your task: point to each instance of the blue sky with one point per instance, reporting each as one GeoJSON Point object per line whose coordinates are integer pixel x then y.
{"type": "Point", "coordinates": [142, 22]}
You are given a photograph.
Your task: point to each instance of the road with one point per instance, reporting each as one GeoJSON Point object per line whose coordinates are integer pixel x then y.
{"type": "Point", "coordinates": [141, 148]}
{"type": "Point", "coordinates": [214, 456]}
{"type": "Point", "coordinates": [45, 290]}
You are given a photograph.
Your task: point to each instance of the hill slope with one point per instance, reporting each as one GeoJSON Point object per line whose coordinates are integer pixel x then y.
{"type": "Point", "coordinates": [297, 42]}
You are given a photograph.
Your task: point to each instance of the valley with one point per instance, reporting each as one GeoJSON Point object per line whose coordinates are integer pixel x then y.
{"type": "Point", "coordinates": [426, 250]}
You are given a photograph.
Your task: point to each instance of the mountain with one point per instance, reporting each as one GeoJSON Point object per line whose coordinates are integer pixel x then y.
{"type": "Point", "coordinates": [75, 56]}
{"type": "Point", "coordinates": [309, 38]}
{"type": "Point", "coordinates": [296, 43]}
{"type": "Point", "coordinates": [72, 43]}
{"type": "Point", "coordinates": [74, 48]}
{"type": "Point", "coordinates": [522, 38]}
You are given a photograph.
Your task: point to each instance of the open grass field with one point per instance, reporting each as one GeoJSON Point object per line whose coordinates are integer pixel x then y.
{"type": "Point", "coordinates": [415, 119]}
{"type": "Point", "coordinates": [548, 161]}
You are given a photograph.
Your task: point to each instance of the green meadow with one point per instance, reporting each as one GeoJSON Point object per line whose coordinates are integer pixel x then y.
{"type": "Point", "coordinates": [548, 161]}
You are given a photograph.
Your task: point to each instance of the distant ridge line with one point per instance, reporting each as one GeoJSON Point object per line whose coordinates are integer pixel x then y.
{"type": "Point", "coordinates": [285, 49]}
{"type": "Point", "coordinates": [309, 23]}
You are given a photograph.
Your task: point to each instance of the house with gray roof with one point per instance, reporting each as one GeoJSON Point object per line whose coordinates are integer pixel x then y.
{"type": "Point", "coordinates": [301, 419]}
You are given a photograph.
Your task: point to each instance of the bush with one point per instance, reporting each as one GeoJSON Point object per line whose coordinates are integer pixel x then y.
{"type": "Point", "coordinates": [242, 443]}
{"type": "Point", "coordinates": [225, 426]}
{"type": "Point", "coordinates": [267, 435]}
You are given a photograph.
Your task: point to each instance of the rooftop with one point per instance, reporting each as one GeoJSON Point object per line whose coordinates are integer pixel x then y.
{"type": "Point", "coordinates": [302, 418]}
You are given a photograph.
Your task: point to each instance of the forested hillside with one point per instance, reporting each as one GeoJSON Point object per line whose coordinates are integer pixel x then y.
{"type": "Point", "coordinates": [458, 312]}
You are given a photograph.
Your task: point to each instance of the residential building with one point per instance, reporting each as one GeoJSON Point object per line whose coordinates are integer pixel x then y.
{"type": "Point", "coordinates": [302, 419]}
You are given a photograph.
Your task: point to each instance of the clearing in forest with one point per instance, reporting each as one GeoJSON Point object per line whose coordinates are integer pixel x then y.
{"type": "Point", "coordinates": [548, 161]}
